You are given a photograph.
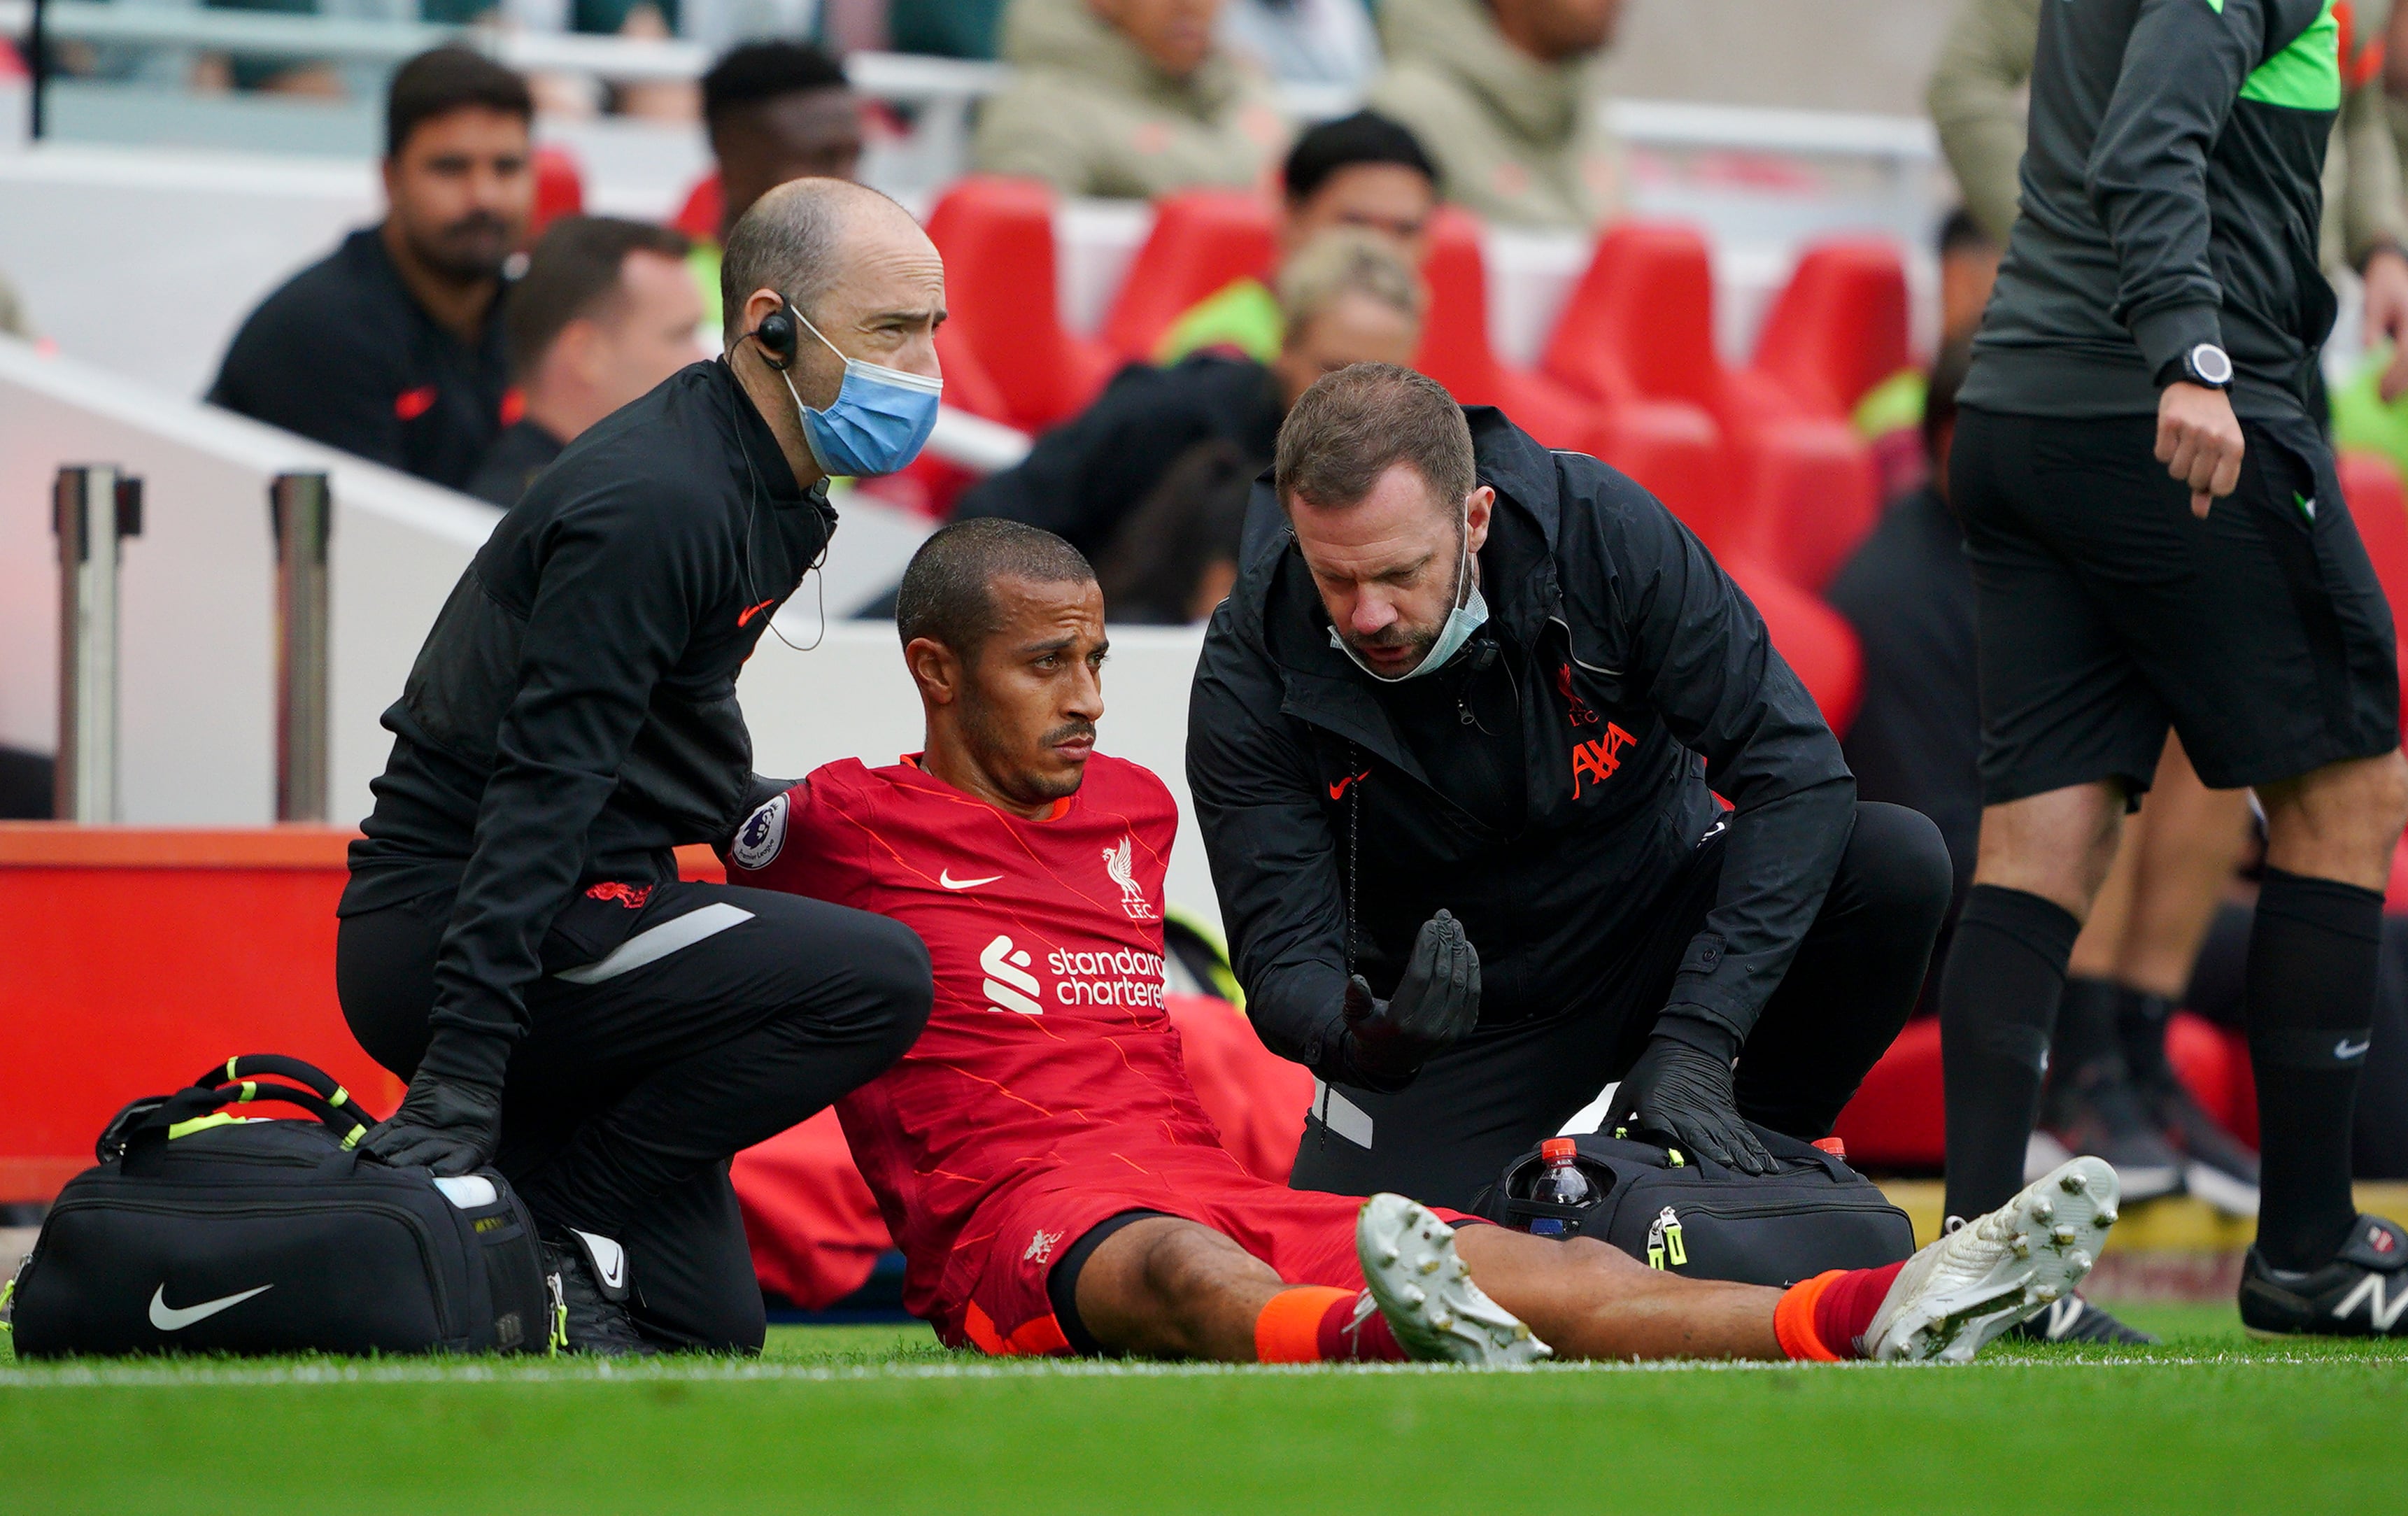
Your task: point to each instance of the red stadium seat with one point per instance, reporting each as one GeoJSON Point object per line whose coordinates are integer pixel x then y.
{"type": "Point", "coordinates": [997, 236]}
{"type": "Point", "coordinates": [559, 189]}
{"type": "Point", "coordinates": [699, 218]}
{"type": "Point", "coordinates": [1201, 241]}
{"type": "Point", "coordinates": [1838, 327]}
{"type": "Point", "coordinates": [1738, 458]}
{"type": "Point", "coordinates": [1455, 352]}
{"type": "Point", "coordinates": [2378, 503]}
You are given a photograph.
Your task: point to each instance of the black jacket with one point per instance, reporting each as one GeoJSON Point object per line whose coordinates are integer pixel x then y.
{"type": "Point", "coordinates": [2171, 191]}
{"type": "Point", "coordinates": [525, 450]}
{"type": "Point", "coordinates": [572, 716]}
{"type": "Point", "coordinates": [345, 356]}
{"type": "Point", "coordinates": [1633, 654]}
{"type": "Point", "coordinates": [1084, 476]}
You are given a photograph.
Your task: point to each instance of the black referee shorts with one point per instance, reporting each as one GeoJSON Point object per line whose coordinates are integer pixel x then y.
{"type": "Point", "coordinates": [2109, 611]}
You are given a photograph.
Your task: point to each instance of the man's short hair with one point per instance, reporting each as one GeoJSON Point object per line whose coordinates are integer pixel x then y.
{"type": "Point", "coordinates": [759, 71]}
{"type": "Point", "coordinates": [1365, 137]}
{"type": "Point", "coordinates": [1355, 425]}
{"type": "Point", "coordinates": [948, 592]}
{"type": "Point", "coordinates": [448, 79]}
{"type": "Point", "coordinates": [1959, 232]}
{"type": "Point", "coordinates": [787, 242]}
{"type": "Point", "coordinates": [1348, 260]}
{"type": "Point", "coordinates": [574, 271]}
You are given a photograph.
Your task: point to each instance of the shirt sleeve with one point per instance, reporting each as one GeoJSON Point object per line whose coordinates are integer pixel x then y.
{"type": "Point", "coordinates": [1976, 103]}
{"type": "Point", "coordinates": [2184, 64]}
{"type": "Point", "coordinates": [1701, 656]}
{"type": "Point", "coordinates": [1274, 856]}
{"type": "Point", "coordinates": [618, 588]}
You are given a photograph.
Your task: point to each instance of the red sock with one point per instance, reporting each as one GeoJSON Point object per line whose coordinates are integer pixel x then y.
{"type": "Point", "coordinates": [1823, 1317]}
{"type": "Point", "coordinates": [1316, 1323]}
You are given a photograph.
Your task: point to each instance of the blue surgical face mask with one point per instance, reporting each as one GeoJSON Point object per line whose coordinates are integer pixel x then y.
{"type": "Point", "coordinates": [880, 418]}
{"type": "Point", "coordinates": [1469, 614]}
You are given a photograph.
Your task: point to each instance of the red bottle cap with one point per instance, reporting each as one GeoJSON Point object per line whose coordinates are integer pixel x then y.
{"type": "Point", "coordinates": [1557, 1147]}
{"type": "Point", "coordinates": [1833, 1145]}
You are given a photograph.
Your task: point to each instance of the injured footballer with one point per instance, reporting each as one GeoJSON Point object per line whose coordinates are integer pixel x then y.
{"type": "Point", "coordinates": [1040, 1157]}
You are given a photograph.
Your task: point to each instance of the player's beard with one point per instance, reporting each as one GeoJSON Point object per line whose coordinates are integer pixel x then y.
{"type": "Point", "coordinates": [1002, 756]}
{"type": "Point", "coordinates": [1421, 638]}
{"type": "Point", "coordinates": [467, 252]}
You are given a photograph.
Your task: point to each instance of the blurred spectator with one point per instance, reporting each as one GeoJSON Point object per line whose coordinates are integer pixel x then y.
{"type": "Point", "coordinates": [776, 112]}
{"type": "Point", "coordinates": [1909, 595]}
{"type": "Point", "coordinates": [1176, 556]}
{"type": "Point", "coordinates": [1363, 171]}
{"type": "Point", "coordinates": [267, 72]}
{"type": "Point", "coordinates": [605, 311]}
{"type": "Point", "coordinates": [946, 28]}
{"type": "Point", "coordinates": [1507, 94]}
{"type": "Point", "coordinates": [1347, 298]}
{"type": "Point", "coordinates": [1304, 41]}
{"type": "Point", "coordinates": [1124, 97]}
{"type": "Point", "coordinates": [25, 786]}
{"type": "Point", "coordinates": [391, 347]}
{"type": "Point", "coordinates": [1889, 417]}
{"type": "Point", "coordinates": [12, 311]}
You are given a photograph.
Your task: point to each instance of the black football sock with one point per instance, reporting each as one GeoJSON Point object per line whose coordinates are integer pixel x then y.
{"type": "Point", "coordinates": [2312, 964]}
{"type": "Point", "coordinates": [2141, 1029]}
{"type": "Point", "coordinates": [1998, 1001]}
{"type": "Point", "coordinates": [2086, 1027]}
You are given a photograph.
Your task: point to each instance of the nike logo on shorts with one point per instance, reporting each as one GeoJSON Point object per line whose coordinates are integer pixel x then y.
{"type": "Point", "coordinates": [167, 1318]}
{"type": "Point", "coordinates": [945, 878]}
{"type": "Point", "coordinates": [2345, 1051]}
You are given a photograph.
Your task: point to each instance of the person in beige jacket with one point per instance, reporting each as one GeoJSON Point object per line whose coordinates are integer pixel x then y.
{"type": "Point", "coordinates": [1975, 100]}
{"type": "Point", "coordinates": [1506, 95]}
{"type": "Point", "coordinates": [1125, 98]}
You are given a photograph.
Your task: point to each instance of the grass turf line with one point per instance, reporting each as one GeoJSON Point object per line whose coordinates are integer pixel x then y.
{"type": "Point", "coordinates": [888, 1419]}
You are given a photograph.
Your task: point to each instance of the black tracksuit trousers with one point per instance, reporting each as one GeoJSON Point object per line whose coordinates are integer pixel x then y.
{"type": "Point", "coordinates": [1494, 1096]}
{"type": "Point", "coordinates": [720, 1017]}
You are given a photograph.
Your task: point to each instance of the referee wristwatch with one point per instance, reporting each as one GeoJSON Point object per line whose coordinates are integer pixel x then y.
{"type": "Point", "coordinates": [2204, 364]}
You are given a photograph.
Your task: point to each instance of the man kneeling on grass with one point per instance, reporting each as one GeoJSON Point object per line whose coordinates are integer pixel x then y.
{"type": "Point", "coordinates": [1041, 1156]}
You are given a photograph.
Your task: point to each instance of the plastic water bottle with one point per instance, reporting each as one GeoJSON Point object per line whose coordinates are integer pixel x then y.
{"type": "Point", "coordinates": [1560, 1183]}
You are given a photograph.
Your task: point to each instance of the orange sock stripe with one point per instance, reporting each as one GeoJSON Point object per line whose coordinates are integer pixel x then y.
{"type": "Point", "coordinates": [1289, 1329]}
{"type": "Point", "coordinates": [1793, 1319]}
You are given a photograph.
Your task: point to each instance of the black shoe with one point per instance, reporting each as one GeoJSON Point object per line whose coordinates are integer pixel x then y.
{"type": "Point", "coordinates": [2217, 1166]}
{"type": "Point", "coordinates": [2362, 1293]}
{"type": "Point", "coordinates": [2094, 1109]}
{"type": "Point", "coordinates": [589, 1284]}
{"type": "Point", "coordinates": [2076, 1320]}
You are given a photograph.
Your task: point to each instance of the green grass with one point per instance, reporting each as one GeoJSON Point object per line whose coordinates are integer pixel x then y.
{"type": "Point", "coordinates": [883, 1418]}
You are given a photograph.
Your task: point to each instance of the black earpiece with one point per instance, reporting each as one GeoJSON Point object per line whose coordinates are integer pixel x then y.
{"type": "Point", "coordinates": [778, 336]}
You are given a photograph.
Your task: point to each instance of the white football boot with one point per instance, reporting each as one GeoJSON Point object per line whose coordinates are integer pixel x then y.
{"type": "Point", "coordinates": [1426, 1292]}
{"type": "Point", "coordinates": [2000, 1269]}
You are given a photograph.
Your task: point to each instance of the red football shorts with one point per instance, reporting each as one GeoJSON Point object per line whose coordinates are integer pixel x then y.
{"type": "Point", "coordinates": [1306, 1236]}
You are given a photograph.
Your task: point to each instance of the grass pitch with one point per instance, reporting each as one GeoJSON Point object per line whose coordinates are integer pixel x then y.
{"type": "Point", "coordinates": [883, 1418]}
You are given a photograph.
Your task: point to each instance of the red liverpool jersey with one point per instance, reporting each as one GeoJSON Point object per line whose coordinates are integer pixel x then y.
{"type": "Point", "coordinates": [1048, 1050]}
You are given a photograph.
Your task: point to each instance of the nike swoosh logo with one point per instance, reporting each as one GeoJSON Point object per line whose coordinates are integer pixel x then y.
{"type": "Point", "coordinates": [945, 878]}
{"type": "Point", "coordinates": [167, 1318]}
{"type": "Point", "coordinates": [745, 618]}
{"type": "Point", "coordinates": [2345, 1050]}
{"type": "Point", "coordinates": [1338, 791]}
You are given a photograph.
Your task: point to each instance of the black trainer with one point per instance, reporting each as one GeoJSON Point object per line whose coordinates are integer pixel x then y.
{"type": "Point", "coordinates": [2362, 1293]}
{"type": "Point", "coordinates": [2217, 1166]}
{"type": "Point", "coordinates": [2076, 1320]}
{"type": "Point", "coordinates": [2094, 1109]}
{"type": "Point", "coordinates": [589, 1284]}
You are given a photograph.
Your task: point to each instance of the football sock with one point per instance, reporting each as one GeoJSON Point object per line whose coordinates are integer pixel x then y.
{"type": "Point", "coordinates": [1316, 1323]}
{"type": "Point", "coordinates": [1998, 1001]}
{"type": "Point", "coordinates": [1823, 1317]}
{"type": "Point", "coordinates": [2313, 953]}
{"type": "Point", "coordinates": [2085, 1032]}
{"type": "Point", "coordinates": [2140, 1028]}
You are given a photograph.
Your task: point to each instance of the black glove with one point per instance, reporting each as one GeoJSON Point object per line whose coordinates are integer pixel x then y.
{"type": "Point", "coordinates": [445, 1125]}
{"type": "Point", "coordinates": [1436, 1004]}
{"type": "Point", "coordinates": [1682, 1093]}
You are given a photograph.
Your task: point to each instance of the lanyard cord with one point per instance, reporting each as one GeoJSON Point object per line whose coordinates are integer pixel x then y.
{"type": "Point", "coordinates": [1354, 871]}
